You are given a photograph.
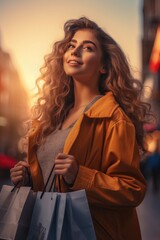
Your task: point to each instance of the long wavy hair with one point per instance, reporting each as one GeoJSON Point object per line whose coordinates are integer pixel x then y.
{"type": "Point", "coordinates": [56, 89]}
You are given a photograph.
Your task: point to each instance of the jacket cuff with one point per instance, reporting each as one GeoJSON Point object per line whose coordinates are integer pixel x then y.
{"type": "Point", "coordinates": [84, 178]}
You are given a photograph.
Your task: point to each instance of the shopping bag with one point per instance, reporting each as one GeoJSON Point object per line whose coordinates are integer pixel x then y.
{"type": "Point", "coordinates": [61, 216]}
{"type": "Point", "coordinates": [55, 232]}
{"type": "Point", "coordinates": [16, 205]}
{"type": "Point", "coordinates": [77, 222]}
{"type": "Point", "coordinates": [43, 213]}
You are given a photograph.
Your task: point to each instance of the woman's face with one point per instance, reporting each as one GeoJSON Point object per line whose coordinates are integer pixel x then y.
{"type": "Point", "coordinates": [83, 58]}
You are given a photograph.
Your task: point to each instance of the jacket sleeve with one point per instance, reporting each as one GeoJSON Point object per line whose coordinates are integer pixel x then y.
{"type": "Point", "coordinates": [122, 184]}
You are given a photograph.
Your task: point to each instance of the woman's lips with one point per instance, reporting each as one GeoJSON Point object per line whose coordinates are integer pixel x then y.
{"type": "Point", "coordinates": [73, 62]}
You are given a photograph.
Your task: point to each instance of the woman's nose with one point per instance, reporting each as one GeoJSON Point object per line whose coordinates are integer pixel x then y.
{"type": "Point", "coordinates": [76, 52]}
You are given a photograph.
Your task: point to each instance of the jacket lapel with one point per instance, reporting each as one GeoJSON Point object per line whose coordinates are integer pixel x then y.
{"type": "Point", "coordinates": [72, 135]}
{"type": "Point", "coordinates": [102, 108]}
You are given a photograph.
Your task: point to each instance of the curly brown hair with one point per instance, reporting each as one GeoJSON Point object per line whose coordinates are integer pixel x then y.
{"type": "Point", "coordinates": [56, 89]}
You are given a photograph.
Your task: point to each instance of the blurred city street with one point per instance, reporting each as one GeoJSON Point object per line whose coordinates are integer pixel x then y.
{"type": "Point", "coordinates": [4, 177]}
{"type": "Point", "coordinates": [149, 215]}
{"type": "Point", "coordinates": [136, 28]}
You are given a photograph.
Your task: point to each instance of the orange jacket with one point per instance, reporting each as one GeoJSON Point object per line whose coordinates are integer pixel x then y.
{"type": "Point", "coordinates": [103, 142]}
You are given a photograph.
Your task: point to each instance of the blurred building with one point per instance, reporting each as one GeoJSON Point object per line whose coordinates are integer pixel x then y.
{"type": "Point", "coordinates": [151, 21]}
{"type": "Point", "coordinates": [151, 53]}
{"type": "Point", "coordinates": [13, 106]}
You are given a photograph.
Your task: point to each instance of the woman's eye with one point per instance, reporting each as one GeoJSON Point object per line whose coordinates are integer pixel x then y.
{"type": "Point", "coordinates": [71, 46]}
{"type": "Point", "coordinates": [88, 48]}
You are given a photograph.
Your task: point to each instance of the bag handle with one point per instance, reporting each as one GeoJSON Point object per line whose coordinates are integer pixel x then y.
{"type": "Point", "coordinates": [52, 183]}
{"type": "Point", "coordinates": [15, 186]}
{"type": "Point", "coordinates": [45, 186]}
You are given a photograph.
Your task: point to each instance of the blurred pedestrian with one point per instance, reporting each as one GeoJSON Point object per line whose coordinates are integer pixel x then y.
{"type": "Point", "coordinates": [154, 167]}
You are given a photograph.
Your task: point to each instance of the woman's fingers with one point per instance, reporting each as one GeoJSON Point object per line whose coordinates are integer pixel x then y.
{"type": "Point", "coordinates": [22, 163]}
{"type": "Point", "coordinates": [17, 179]}
{"type": "Point", "coordinates": [66, 166]}
{"type": "Point", "coordinates": [63, 164]}
{"type": "Point", "coordinates": [17, 173]}
{"type": "Point", "coordinates": [63, 156]}
{"type": "Point", "coordinates": [16, 169]}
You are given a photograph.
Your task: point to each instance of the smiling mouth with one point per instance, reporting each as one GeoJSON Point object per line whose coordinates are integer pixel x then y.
{"type": "Point", "coordinates": [74, 62]}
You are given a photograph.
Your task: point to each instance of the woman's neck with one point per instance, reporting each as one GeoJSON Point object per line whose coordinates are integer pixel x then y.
{"type": "Point", "coordinates": [83, 95]}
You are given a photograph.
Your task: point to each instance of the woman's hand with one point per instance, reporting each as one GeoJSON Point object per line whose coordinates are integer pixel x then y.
{"type": "Point", "coordinates": [17, 173]}
{"type": "Point", "coordinates": [66, 166]}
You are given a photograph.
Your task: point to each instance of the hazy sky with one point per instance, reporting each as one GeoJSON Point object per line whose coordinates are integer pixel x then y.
{"type": "Point", "coordinates": [29, 27]}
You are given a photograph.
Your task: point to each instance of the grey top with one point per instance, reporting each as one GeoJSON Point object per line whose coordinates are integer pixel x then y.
{"type": "Point", "coordinates": [54, 144]}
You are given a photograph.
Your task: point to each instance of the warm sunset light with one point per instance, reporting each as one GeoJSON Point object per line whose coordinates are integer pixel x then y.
{"type": "Point", "coordinates": [80, 119]}
{"type": "Point", "coordinates": [28, 29]}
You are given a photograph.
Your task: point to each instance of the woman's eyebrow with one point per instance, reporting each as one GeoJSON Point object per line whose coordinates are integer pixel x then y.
{"type": "Point", "coordinates": [85, 41]}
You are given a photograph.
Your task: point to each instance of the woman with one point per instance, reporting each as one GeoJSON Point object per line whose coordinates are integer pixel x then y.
{"type": "Point", "coordinates": [88, 120]}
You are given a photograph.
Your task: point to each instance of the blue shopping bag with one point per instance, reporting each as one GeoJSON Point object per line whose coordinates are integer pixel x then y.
{"type": "Point", "coordinates": [43, 213]}
{"type": "Point", "coordinates": [77, 223]}
{"type": "Point", "coordinates": [61, 216]}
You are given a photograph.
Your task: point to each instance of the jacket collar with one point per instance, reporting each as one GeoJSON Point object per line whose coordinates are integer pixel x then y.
{"type": "Point", "coordinates": [103, 107]}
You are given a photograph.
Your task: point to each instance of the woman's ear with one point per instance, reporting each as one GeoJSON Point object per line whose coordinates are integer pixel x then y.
{"type": "Point", "coordinates": [103, 70]}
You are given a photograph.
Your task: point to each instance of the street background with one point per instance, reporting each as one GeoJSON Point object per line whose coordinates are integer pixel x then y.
{"type": "Point", "coordinates": [27, 31]}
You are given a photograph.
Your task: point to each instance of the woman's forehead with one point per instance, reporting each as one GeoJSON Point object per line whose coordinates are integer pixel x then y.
{"type": "Point", "coordinates": [84, 35]}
